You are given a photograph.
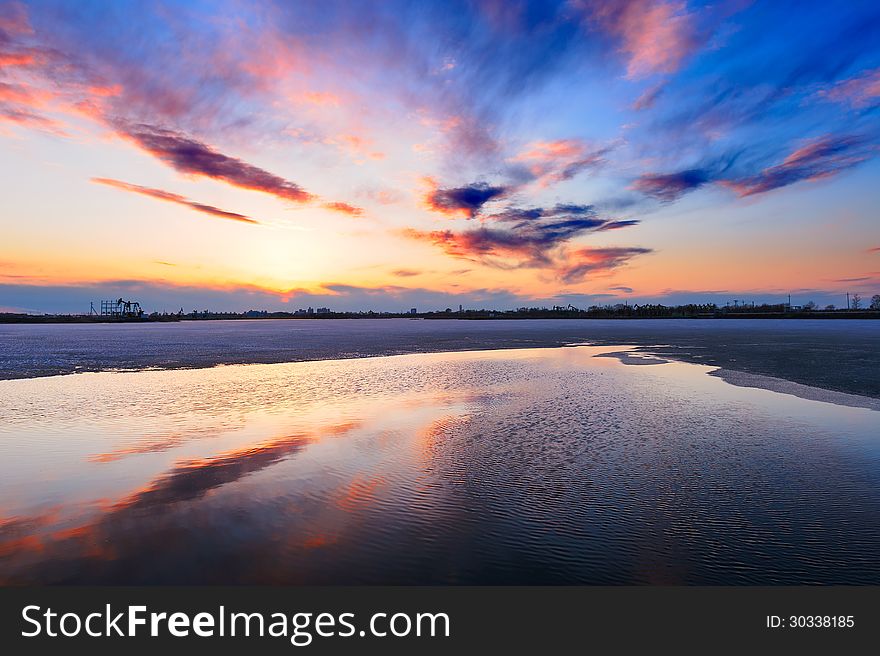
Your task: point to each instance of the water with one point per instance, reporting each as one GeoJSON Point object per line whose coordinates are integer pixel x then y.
{"type": "Point", "coordinates": [535, 466]}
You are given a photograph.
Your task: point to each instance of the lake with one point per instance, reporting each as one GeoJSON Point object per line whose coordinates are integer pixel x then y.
{"type": "Point", "coordinates": [501, 466]}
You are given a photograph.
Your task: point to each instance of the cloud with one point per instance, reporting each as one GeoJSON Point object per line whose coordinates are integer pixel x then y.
{"type": "Point", "coordinates": [381, 195]}
{"type": "Point", "coordinates": [821, 158]}
{"type": "Point", "coordinates": [550, 162]}
{"type": "Point", "coordinates": [858, 279]}
{"type": "Point", "coordinates": [24, 105]}
{"type": "Point", "coordinates": [648, 97]}
{"type": "Point", "coordinates": [520, 237]}
{"type": "Point", "coordinates": [193, 157]}
{"type": "Point", "coordinates": [859, 92]}
{"type": "Point", "coordinates": [359, 147]}
{"type": "Point", "coordinates": [671, 186]}
{"type": "Point", "coordinates": [655, 35]}
{"type": "Point", "coordinates": [175, 198]}
{"type": "Point", "coordinates": [764, 89]}
{"type": "Point", "coordinates": [406, 273]}
{"type": "Point", "coordinates": [193, 479]}
{"type": "Point", "coordinates": [344, 208]}
{"type": "Point", "coordinates": [14, 19]}
{"type": "Point", "coordinates": [617, 225]}
{"type": "Point", "coordinates": [817, 159]}
{"type": "Point", "coordinates": [466, 201]}
{"type": "Point", "coordinates": [583, 261]}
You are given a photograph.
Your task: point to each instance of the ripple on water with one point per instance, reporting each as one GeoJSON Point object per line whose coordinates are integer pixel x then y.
{"type": "Point", "coordinates": [543, 466]}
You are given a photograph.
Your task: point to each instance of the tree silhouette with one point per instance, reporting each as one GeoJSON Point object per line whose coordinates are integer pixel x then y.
{"type": "Point", "coordinates": [856, 301]}
{"type": "Point", "coordinates": [875, 302]}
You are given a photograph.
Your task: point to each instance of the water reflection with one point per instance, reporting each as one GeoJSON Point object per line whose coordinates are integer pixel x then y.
{"type": "Point", "coordinates": [533, 466]}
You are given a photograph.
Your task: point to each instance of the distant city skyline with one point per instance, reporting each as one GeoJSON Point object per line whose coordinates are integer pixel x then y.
{"type": "Point", "coordinates": [383, 156]}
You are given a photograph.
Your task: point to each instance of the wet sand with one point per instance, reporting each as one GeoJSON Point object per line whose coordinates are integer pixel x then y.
{"type": "Point", "coordinates": [743, 379]}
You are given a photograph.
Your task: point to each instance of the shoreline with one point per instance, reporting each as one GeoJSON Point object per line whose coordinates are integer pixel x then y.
{"type": "Point", "coordinates": [782, 386]}
{"type": "Point", "coordinates": [633, 356]}
{"type": "Point", "coordinates": [833, 355]}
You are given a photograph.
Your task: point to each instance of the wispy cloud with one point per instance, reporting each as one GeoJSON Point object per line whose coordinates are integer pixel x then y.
{"type": "Point", "coordinates": [549, 162]}
{"type": "Point", "coordinates": [344, 208]}
{"type": "Point", "coordinates": [192, 157]}
{"type": "Point", "coordinates": [821, 158]}
{"type": "Point", "coordinates": [671, 186]}
{"type": "Point", "coordinates": [655, 35]}
{"type": "Point", "coordinates": [583, 261]}
{"type": "Point", "coordinates": [859, 92]}
{"type": "Point", "coordinates": [170, 197]}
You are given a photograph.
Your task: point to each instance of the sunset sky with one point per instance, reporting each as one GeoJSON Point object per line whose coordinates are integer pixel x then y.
{"type": "Point", "coordinates": [387, 155]}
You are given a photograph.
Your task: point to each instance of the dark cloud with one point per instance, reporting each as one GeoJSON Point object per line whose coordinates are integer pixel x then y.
{"type": "Point", "coordinates": [617, 225]}
{"type": "Point", "coordinates": [520, 215]}
{"type": "Point", "coordinates": [817, 159]}
{"type": "Point", "coordinates": [193, 157]}
{"type": "Point", "coordinates": [174, 198]}
{"type": "Point", "coordinates": [671, 186]}
{"type": "Point", "coordinates": [518, 237]}
{"type": "Point", "coordinates": [467, 200]}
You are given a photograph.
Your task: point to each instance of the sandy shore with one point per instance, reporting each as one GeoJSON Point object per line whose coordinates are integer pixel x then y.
{"type": "Point", "coordinates": [842, 356]}
{"type": "Point", "coordinates": [744, 379]}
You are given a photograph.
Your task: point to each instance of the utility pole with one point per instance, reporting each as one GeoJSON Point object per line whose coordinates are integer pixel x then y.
{"type": "Point", "coordinates": [847, 300]}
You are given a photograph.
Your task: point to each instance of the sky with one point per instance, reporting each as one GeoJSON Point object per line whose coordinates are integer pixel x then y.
{"type": "Point", "coordinates": [235, 155]}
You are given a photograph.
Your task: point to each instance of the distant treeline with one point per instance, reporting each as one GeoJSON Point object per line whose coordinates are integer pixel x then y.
{"type": "Point", "coordinates": [618, 311]}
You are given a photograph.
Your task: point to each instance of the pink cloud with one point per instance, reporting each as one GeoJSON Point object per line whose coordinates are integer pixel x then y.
{"type": "Point", "coordinates": [550, 162]}
{"type": "Point", "coordinates": [359, 147]}
{"type": "Point", "coordinates": [860, 91]}
{"type": "Point", "coordinates": [170, 197]}
{"type": "Point", "coordinates": [647, 99]}
{"type": "Point", "coordinates": [584, 261]}
{"type": "Point", "coordinates": [655, 35]}
{"type": "Point", "coordinates": [14, 18]}
{"type": "Point", "coordinates": [819, 159]}
{"type": "Point", "coordinates": [193, 157]}
{"type": "Point", "coordinates": [344, 208]}
{"type": "Point", "coordinates": [320, 99]}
